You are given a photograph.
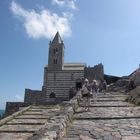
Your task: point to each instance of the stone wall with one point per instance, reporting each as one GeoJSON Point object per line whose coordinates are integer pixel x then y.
{"type": "Point", "coordinates": [96, 72]}
{"type": "Point", "coordinates": [135, 76]}
{"type": "Point", "coordinates": [134, 96]}
{"type": "Point", "coordinates": [111, 79]}
{"type": "Point", "coordinates": [33, 96]}
{"type": "Point", "coordinates": [121, 85]}
{"type": "Point", "coordinates": [12, 107]}
{"type": "Point", "coordinates": [60, 82]}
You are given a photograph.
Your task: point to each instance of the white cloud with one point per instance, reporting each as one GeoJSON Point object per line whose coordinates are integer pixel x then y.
{"type": "Point", "coordinates": [42, 24]}
{"type": "Point", "coordinates": [66, 3]}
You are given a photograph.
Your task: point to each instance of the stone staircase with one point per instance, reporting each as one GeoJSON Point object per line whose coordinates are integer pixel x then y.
{"type": "Point", "coordinates": [109, 118]}
{"type": "Point", "coordinates": [23, 124]}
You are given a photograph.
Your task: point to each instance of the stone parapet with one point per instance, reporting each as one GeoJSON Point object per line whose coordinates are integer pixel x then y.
{"type": "Point", "coordinates": [12, 107]}
{"type": "Point", "coordinates": [33, 96]}
{"type": "Point", "coordinates": [96, 72]}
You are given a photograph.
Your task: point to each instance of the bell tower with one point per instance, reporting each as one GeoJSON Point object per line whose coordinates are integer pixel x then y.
{"type": "Point", "coordinates": [56, 53]}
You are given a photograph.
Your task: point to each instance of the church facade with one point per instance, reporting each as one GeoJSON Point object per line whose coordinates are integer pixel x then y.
{"type": "Point", "coordinates": [60, 77]}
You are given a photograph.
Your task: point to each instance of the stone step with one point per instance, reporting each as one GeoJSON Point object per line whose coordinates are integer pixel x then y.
{"type": "Point", "coordinates": [35, 110]}
{"type": "Point", "coordinates": [40, 107]}
{"type": "Point", "coordinates": [27, 121]}
{"type": "Point", "coordinates": [15, 136]}
{"type": "Point", "coordinates": [107, 99]}
{"type": "Point", "coordinates": [17, 131]}
{"type": "Point", "coordinates": [98, 106]}
{"type": "Point", "coordinates": [111, 96]}
{"type": "Point", "coordinates": [19, 128]}
{"type": "Point", "coordinates": [108, 112]}
{"type": "Point", "coordinates": [32, 117]}
{"type": "Point", "coordinates": [32, 113]}
{"type": "Point", "coordinates": [107, 104]}
{"type": "Point", "coordinates": [25, 124]}
{"type": "Point", "coordinates": [72, 138]}
{"type": "Point", "coordinates": [107, 118]}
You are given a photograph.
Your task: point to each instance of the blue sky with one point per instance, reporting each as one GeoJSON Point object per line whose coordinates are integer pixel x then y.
{"type": "Point", "coordinates": [94, 31]}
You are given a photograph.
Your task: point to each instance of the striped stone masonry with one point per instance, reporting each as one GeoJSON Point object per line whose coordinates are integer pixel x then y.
{"type": "Point", "coordinates": [60, 82]}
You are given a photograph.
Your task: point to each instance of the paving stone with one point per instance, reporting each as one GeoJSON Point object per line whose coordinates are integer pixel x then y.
{"type": "Point", "coordinates": [82, 137]}
{"type": "Point", "coordinates": [130, 138]}
{"type": "Point", "coordinates": [127, 133]}
{"type": "Point", "coordinates": [71, 138]}
{"type": "Point", "coordinates": [110, 137]}
{"type": "Point", "coordinates": [116, 134]}
{"type": "Point", "coordinates": [95, 134]}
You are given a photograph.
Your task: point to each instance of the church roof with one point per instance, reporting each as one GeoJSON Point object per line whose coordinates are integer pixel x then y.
{"type": "Point", "coordinates": [57, 39]}
{"type": "Point", "coordinates": [74, 66]}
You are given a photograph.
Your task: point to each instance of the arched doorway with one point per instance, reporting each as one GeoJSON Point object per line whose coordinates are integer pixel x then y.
{"type": "Point", "coordinates": [52, 95]}
{"type": "Point", "coordinates": [78, 84]}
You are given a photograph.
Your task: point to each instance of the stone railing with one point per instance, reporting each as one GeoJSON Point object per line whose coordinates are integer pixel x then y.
{"type": "Point", "coordinates": [56, 126]}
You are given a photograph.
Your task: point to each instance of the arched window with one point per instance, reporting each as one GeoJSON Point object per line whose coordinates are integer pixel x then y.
{"type": "Point", "coordinates": [54, 61]}
{"type": "Point", "coordinates": [52, 95]}
{"type": "Point", "coordinates": [55, 51]}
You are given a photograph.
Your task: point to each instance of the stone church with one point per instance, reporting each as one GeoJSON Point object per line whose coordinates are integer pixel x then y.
{"type": "Point", "coordinates": [59, 77]}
